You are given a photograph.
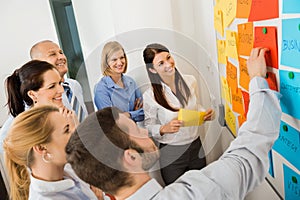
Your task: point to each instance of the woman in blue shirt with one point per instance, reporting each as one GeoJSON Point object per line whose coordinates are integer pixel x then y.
{"type": "Point", "coordinates": [115, 88]}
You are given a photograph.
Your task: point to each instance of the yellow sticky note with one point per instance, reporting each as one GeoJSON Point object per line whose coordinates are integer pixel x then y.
{"type": "Point", "coordinates": [229, 11]}
{"type": "Point", "coordinates": [230, 119]}
{"type": "Point", "coordinates": [221, 45]}
{"type": "Point", "coordinates": [218, 20]}
{"type": "Point", "coordinates": [231, 44]}
{"type": "Point", "coordinates": [191, 117]}
{"type": "Point", "coordinates": [225, 90]}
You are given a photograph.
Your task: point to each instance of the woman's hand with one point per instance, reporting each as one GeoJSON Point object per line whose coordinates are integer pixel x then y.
{"type": "Point", "coordinates": [71, 117]}
{"type": "Point", "coordinates": [138, 103]}
{"type": "Point", "coordinates": [172, 127]}
{"type": "Point", "coordinates": [209, 114]}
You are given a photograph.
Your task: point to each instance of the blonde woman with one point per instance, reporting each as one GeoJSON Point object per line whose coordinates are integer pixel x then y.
{"type": "Point", "coordinates": [115, 88]}
{"type": "Point", "coordinates": [35, 157]}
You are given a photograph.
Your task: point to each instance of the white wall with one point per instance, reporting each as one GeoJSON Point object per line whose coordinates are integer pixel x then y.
{"type": "Point", "coordinates": [22, 24]}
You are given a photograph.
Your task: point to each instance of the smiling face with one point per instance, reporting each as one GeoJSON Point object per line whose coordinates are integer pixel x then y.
{"type": "Point", "coordinates": [51, 91]}
{"type": "Point", "coordinates": [163, 65]}
{"type": "Point", "coordinates": [52, 53]}
{"type": "Point", "coordinates": [59, 139]}
{"type": "Point", "coordinates": [117, 62]}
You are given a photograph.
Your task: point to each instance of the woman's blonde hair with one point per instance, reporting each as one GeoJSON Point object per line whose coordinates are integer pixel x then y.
{"type": "Point", "coordinates": [109, 49]}
{"type": "Point", "coordinates": [30, 128]}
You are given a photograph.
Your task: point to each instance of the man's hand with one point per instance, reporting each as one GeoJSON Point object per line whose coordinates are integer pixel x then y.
{"type": "Point", "coordinates": [256, 63]}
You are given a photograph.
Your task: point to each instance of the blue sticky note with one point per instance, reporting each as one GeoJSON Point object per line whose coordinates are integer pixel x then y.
{"type": "Point", "coordinates": [271, 168]}
{"type": "Point", "coordinates": [290, 90]}
{"type": "Point", "coordinates": [288, 144]}
{"type": "Point", "coordinates": [290, 48]}
{"type": "Point", "coordinates": [291, 184]}
{"type": "Point", "coordinates": [290, 6]}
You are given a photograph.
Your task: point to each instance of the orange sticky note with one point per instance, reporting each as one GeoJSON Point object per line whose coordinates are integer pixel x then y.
{"type": "Point", "coordinates": [244, 76]}
{"type": "Point", "coordinates": [243, 8]}
{"type": "Point", "coordinates": [221, 45]}
{"type": "Point", "coordinates": [231, 44]}
{"type": "Point", "coordinates": [231, 76]}
{"type": "Point", "coordinates": [237, 101]}
{"type": "Point", "coordinates": [271, 79]}
{"type": "Point", "coordinates": [230, 119]}
{"type": "Point", "coordinates": [266, 36]}
{"type": "Point", "coordinates": [225, 90]}
{"type": "Point", "coordinates": [241, 120]}
{"type": "Point", "coordinates": [245, 38]}
{"type": "Point", "coordinates": [218, 20]}
{"type": "Point", "coordinates": [229, 11]}
{"type": "Point", "coordinates": [263, 9]}
{"type": "Point", "coordinates": [246, 101]}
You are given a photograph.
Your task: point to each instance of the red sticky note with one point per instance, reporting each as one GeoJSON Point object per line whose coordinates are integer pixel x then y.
{"type": "Point", "coordinates": [266, 36]}
{"type": "Point", "coordinates": [246, 101]}
{"type": "Point", "coordinates": [263, 9]}
{"type": "Point", "coordinates": [271, 79]}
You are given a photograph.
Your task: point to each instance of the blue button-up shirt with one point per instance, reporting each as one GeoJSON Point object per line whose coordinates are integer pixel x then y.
{"type": "Point", "coordinates": [108, 93]}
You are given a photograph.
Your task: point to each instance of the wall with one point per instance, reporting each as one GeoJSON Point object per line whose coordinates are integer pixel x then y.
{"type": "Point", "coordinates": [23, 23]}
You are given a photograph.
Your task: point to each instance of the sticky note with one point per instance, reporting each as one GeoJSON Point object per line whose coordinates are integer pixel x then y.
{"type": "Point", "coordinates": [290, 90]}
{"type": "Point", "coordinates": [291, 183]}
{"type": "Point", "coordinates": [271, 79]}
{"type": "Point", "coordinates": [290, 45]}
{"type": "Point", "coordinates": [230, 119]}
{"type": "Point", "coordinates": [237, 101]}
{"type": "Point", "coordinates": [191, 117]}
{"type": "Point", "coordinates": [218, 20]}
{"type": "Point", "coordinates": [241, 119]}
{"type": "Point", "coordinates": [231, 44]}
{"type": "Point", "coordinates": [229, 12]}
{"type": "Point", "coordinates": [221, 46]}
{"type": "Point", "coordinates": [291, 6]}
{"type": "Point", "coordinates": [288, 144]}
{"type": "Point", "coordinates": [271, 168]}
{"type": "Point", "coordinates": [261, 10]}
{"type": "Point", "coordinates": [266, 36]}
{"type": "Point", "coordinates": [246, 99]}
{"type": "Point", "coordinates": [225, 92]}
{"type": "Point", "coordinates": [231, 75]}
{"type": "Point", "coordinates": [243, 8]}
{"type": "Point", "coordinates": [244, 76]}
{"type": "Point", "coordinates": [245, 38]}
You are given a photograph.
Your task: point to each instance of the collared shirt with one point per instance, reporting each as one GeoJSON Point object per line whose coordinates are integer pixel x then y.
{"type": "Point", "coordinates": [71, 187]}
{"type": "Point", "coordinates": [77, 90]}
{"type": "Point", "coordinates": [108, 93]}
{"type": "Point", "coordinates": [243, 165]}
{"type": "Point", "coordinates": [156, 115]}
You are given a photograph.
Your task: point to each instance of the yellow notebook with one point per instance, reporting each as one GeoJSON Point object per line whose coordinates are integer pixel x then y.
{"type": "Point", "coordinates": [191, 117]}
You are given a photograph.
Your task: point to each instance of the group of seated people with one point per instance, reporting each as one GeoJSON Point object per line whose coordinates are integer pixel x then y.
{"type": "Point", "coordinates": [52, 153]}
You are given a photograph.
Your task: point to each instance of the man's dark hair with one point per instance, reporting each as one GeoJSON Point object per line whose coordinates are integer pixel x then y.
{"type": "Point", "coordinates": [96, 148]}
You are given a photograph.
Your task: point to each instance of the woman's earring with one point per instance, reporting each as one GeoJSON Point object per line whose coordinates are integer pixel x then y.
{"type": "Point", "coordinates": [35, 102]}
{"type": "Point", "coordinates": [47, 157]}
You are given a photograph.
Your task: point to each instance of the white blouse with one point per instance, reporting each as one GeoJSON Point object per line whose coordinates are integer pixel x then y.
{"type": "Point", "coordinates": [156, 115]}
